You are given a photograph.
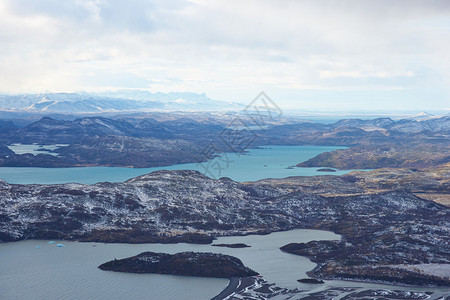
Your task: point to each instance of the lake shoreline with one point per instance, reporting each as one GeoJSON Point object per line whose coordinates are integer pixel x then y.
{"type": "Point", "coordinates": [235, 285]}
{"type": "Point", "coordinates": [229, 289]}
{"type": "Point", "coordinates": [259, 163]}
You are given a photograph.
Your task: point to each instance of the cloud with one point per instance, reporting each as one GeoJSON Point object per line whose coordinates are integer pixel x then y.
{"type": "Point", "coordinates": [229, 49]}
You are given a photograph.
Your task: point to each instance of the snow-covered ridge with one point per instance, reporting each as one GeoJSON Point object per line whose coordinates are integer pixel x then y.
{"type": "Point", "coordinates": [120, 101]}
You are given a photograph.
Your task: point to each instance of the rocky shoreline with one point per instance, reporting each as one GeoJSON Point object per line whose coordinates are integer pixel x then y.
{"type": "Point", "coordinates": [142, 237]}
{"type": "Point", "coordinates": [257, 288]}
{"type": "Point", "coordinates": [333, 262]}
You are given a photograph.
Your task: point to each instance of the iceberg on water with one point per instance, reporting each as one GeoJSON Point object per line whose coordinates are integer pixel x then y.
{"type": "Point", "coordinates": [51, 242]}
{"type": "Point", "coordinates": [60, 245]}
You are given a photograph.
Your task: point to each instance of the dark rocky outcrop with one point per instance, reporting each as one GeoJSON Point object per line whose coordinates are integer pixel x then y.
{"type": "Point", "coordinates": [326, 170]}
{"type": "Point", "coordinates": [310, 281]}
{"type": "Point", "coordinates": [184, 263]}
{"type": "Point", "coordinates": [237, 245]}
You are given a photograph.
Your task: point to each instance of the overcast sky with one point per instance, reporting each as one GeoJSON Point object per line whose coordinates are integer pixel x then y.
{"type": "Point", "coordinates": [304, 54]}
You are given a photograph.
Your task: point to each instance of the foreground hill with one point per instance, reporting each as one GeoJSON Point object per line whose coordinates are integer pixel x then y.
{"type": "Point", "coordinates": [389, 228]}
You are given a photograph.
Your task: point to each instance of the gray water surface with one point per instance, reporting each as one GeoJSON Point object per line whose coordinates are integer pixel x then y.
{"type": "Point", "coordinates": [38, 270]}
{"type": "Point", "coordinates": [70, 272]}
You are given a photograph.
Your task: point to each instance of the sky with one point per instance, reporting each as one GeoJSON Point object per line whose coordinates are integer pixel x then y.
{"type": "Point", "coordinates": [311, 55]}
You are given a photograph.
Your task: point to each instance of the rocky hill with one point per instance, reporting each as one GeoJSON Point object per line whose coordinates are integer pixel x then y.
{"type": "Point", "coordinates": [377, 143]}
{"type": "Point", "coordinates": [412, 155]}
{"type": "Point", "coordinates": [185, 263]}
{"type": "Point", "coordinates": [99, 141]}
{"type": "Point", "coordinates": [430, 183]}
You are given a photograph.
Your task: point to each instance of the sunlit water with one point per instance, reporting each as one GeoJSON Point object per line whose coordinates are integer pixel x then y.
{"type": "Point", "coordinates": [267, 162]}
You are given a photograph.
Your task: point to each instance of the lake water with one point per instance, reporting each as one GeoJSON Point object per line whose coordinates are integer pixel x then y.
{"type": "Point", "coordinates": [35, 149]}
{"type": "Point", "coordinates": [70, 272]}
{"type": "Point", "coordinates": [267, 162]}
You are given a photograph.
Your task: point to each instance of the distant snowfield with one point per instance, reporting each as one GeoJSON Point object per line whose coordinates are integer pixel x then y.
{"type": "Point", "coordinates": [35, 149]}
{"type": "Point", "coordinates": [120, 101]}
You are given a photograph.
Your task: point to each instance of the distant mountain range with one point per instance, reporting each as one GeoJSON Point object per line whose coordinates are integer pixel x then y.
{"type": "Point", "coordinates": [422, 116]}
{"type": "Point", "coordinates": [409, 125]}
{"type": "Point", "coordinates": [110, 103]}
{"type": "Point", "coordinates": [143, 141]}
{"type": "Point", "coordinates": [113, 102]}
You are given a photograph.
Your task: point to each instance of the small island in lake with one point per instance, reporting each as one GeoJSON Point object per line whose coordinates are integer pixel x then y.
{"type": "Point", "coordinates": [184, 263]}
{"type": "Point", "coordinates": [310, 280]}
{"type": "Point", "coordinates": [237, 245]}
{"type": "Point", "coordinates": [326, 170]}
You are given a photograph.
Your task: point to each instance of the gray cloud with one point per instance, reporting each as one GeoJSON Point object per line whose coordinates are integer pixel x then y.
{"type": "Point", "coordinates": [217, 46]}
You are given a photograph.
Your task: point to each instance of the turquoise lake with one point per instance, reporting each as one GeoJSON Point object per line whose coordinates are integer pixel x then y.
{"type": "Point", "coordinates": [255, 164]}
